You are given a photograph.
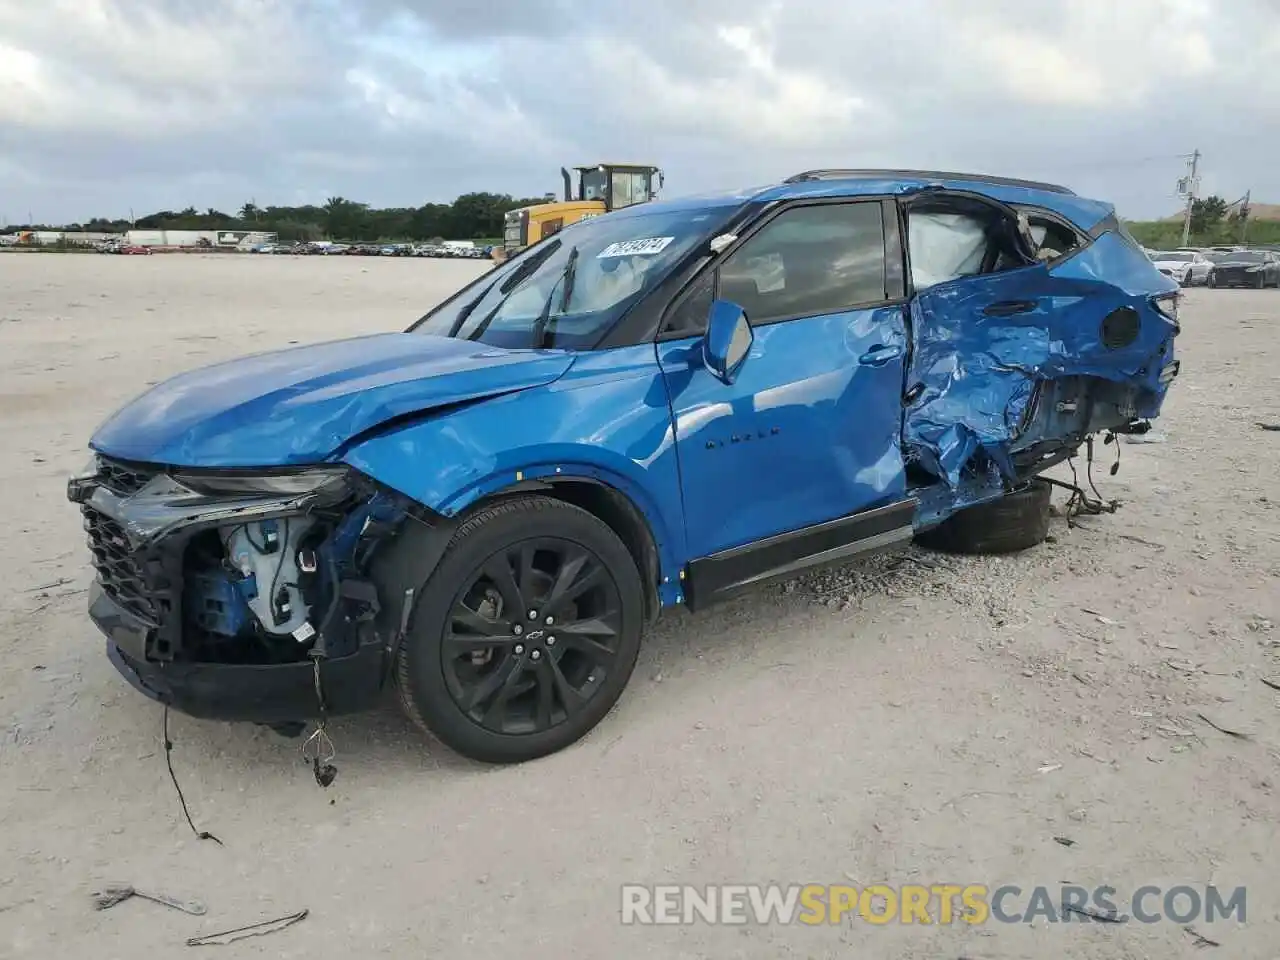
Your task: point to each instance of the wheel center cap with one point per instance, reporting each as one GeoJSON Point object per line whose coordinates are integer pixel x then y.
{"type": "Point", "coordinates": [535, 636]}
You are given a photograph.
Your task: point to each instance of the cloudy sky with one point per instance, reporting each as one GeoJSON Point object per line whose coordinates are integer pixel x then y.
{"type": "Point", "coordinates": [107, 105]}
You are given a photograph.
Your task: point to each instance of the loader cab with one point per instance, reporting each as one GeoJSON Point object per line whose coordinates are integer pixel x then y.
{"type": "Point", "coordinates": [588, 192]}
{"type": "Point", "coordinates": [616, 185]}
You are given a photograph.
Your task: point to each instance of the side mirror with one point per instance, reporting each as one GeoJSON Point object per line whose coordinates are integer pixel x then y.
{"type": "Point", "coordinates": [727, 341]}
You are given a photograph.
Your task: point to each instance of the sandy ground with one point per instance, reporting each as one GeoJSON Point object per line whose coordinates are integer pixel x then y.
{"type": "Point", "coordinates": [927, 721]}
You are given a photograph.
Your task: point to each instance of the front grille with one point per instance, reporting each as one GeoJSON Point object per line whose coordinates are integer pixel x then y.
{"type": "Point", "coordinates": [124, 479]}
{"type": "Point", "coordinates": [118, 567]}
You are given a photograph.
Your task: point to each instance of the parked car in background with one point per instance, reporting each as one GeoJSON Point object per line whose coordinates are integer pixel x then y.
{"type": "Point", "coordinates": [659, 407]}
{"type": "Point", "coordinates": [1245, 268]}
{"type": "Point", "coordinates": [1190, 268]}
{"type": "Point", "coordinates": [134, 250]}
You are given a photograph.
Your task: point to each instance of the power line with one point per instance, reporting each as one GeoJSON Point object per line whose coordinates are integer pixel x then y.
{"type": "Point", "coordinates": [1112, 164]}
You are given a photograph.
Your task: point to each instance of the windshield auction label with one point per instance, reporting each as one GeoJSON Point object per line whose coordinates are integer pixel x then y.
{"type": "Point", "coordinates": [631, 248]}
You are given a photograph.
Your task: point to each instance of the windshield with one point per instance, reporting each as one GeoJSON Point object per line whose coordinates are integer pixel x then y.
{"type": "Point", "coordinates": [1175, 256]}
{"type": "Point", "coordinates": [567, 291]}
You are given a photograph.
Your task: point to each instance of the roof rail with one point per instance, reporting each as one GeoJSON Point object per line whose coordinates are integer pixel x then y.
{"type": "Point", "coordinates": [838, 174]}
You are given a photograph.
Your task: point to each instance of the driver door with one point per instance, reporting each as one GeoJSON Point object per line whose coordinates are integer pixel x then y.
{"type": "Point", "coordinates": [798, 459]}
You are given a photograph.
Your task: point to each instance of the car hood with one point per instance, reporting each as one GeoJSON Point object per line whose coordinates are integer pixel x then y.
{"type": "Point", "coordinates": [301, 405]}
{"type": "Point", "coordinates": [1172, 264]}
{"type": "Point", "coordinates": [1237, 264]}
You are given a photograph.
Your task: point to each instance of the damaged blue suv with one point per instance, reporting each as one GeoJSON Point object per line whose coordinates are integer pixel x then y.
{"type": "Point", "coordinates": [664, 405]}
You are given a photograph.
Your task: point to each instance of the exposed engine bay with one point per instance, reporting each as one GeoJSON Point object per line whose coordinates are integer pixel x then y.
{"type": "Point", "coordinates": [259, 579]}
{"type": "Point", "coordinates": [272, 565]}
{"type": "Point", "coordinates": [265, 590]}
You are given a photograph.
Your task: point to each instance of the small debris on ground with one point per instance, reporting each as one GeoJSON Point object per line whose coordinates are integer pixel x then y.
{"type": "Point", "coordinates": [1272, 427]}
{"type": "Point", "coordinates": [1049, 768]}
{"type": "Point", "coordinates": [1199, 940]}
{"type": "Point", "coordinates": [1091, 913]}
{"type": "Point", "coordinates": [1065, 841]}
{"type": "Point", "coordinates": [253, 930]}
{"type": "Point", "coordinates": [1239, 735]}
{"type": "Point", "coordinates": [108, 897]}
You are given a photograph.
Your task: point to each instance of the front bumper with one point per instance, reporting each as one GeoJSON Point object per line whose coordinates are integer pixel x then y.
{"type": "Point", "coordinates": [261, 693]}
{"type": "Point", "coordinates": [140, 529]}
{"type": "Point", "coordinates": [1236, 278]}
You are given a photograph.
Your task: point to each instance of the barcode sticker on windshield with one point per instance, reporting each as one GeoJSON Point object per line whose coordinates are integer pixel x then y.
{"type": "Point", "coordinates": [633, 248]}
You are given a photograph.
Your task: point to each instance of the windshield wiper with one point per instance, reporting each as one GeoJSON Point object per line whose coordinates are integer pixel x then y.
{"type": "Point", "coordinates": [544, 325]}
{"type": "Point", "coordinates": [466, 312]}
{"type": "Point", "coordinates": [509, 286]}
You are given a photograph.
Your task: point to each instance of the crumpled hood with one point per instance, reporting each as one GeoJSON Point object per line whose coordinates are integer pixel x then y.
{"type": "Point", "coordinates": [300, 405]}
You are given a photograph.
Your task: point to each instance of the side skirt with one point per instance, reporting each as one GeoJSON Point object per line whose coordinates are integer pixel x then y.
{"type": "Point", "coordinates": [726, 574]}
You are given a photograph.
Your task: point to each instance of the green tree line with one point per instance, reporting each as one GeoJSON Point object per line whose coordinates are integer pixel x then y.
{"type": "Point", "coordinates": [472, 216]}
{"type": "Point", "coordinates": [475, 216]}
{"type": "Point", "coordinates": [1211, 226]}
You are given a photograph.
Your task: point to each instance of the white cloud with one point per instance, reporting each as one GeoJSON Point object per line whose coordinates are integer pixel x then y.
{"type": "Point", "coordinates": [758, 102]}
{"type": "Point", "coordinates": [1096, 53]}
{"type": "Point", "coordinates": [399, 101]}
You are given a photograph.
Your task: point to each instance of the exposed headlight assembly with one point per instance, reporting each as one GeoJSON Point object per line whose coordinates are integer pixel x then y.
{"type": "Point", "coordinates": [80, 483]}
{"type": "Point", "coordinates": [282, 483]}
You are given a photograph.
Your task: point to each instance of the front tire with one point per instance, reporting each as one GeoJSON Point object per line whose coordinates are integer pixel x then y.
{"type": "Point", "coordinates": [526, 633]}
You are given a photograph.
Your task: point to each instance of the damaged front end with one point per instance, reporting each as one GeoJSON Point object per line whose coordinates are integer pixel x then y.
{"type": "Point", "coordinates": [240, 595]}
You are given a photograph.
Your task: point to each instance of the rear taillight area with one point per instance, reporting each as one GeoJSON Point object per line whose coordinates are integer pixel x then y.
{"type": "Point", "coordinates": [1167, 304]}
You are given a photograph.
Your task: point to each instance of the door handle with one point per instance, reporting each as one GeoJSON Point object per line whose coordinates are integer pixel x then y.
{"type": "Point", "coordinates": [1010, 308]}
{"type": "Point", "coordinates": [879, 355]}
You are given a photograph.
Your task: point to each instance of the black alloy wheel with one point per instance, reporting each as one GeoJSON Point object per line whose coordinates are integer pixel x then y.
{"type": "Point", "coordinates": [526, 633]}
{"type": "Point", "coordinates": [532, 636]}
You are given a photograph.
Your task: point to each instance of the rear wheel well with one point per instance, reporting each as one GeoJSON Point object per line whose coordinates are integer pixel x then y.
{"type": "Point", "coordinates": [612, 508]}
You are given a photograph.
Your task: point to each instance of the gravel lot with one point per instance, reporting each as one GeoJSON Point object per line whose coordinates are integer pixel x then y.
{"type": "Point", "coordinates": [927, 720]}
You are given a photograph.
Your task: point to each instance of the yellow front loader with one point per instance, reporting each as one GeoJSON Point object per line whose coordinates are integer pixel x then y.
{"type": "Point", "coordinates": [599, 188]}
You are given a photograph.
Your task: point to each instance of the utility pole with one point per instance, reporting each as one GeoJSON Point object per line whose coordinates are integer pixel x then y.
{"type": "Point", "coordinates": [1191, 184]}
{"type": "Point", "coordinates": [1244, 216]}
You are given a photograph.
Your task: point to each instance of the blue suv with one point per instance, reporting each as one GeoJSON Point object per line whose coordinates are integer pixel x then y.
{"type": "Point", "coordinates": [660, 406]}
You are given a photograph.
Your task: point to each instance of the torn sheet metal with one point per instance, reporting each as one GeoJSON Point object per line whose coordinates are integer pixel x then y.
{"type": "Point", "coordinates": [982, 346]}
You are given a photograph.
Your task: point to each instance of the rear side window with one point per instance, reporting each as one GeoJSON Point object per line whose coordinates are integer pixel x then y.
{"type": "Point", "coordinates": [808, 261]}
{"type": "Point", "coordinates": [1053, 240]}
